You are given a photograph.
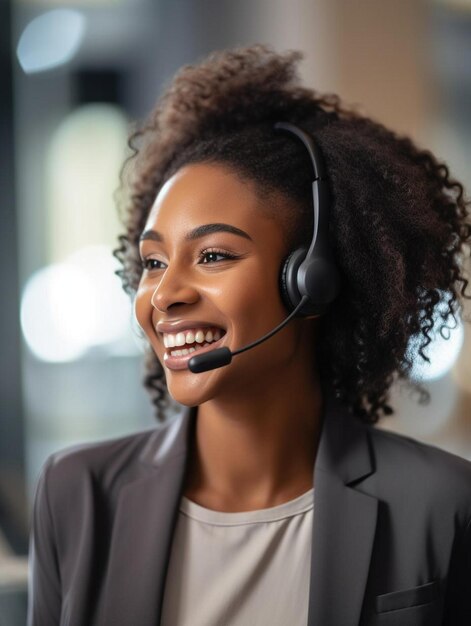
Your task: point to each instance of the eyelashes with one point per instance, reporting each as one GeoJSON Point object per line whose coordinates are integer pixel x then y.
{"type": "Point", "coordinates": [206, 253]}
{"type": "Point", "coordinates": [215, 252]}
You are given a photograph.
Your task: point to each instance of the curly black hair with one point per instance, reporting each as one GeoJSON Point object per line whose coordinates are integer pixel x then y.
{"type": "Point", "coordinates": [399, 223]}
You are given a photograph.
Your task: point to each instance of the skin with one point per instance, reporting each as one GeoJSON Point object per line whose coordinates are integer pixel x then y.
{"type": "Point", "coordinates": [259, 418]}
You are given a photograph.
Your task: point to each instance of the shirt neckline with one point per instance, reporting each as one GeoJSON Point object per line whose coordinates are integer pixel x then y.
{"type": "Point", "coordinates": [296, 506]}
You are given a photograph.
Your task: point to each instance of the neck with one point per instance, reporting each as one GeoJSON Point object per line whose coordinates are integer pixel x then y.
{"type": "Point", "coordinates": [257, 448]}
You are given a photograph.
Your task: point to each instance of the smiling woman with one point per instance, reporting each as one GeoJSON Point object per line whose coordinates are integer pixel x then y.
{"type": "Point", "coordinates": [199, 280]}
{"type": "Point", "coordinates": [273, 465]}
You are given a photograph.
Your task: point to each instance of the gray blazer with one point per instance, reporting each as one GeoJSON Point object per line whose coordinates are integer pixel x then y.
{"type": "Point", "coordinates": [391, 542]}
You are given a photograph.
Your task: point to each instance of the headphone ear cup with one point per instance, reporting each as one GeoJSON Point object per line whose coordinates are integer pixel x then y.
{"type": "Point", "coordinates": [320, 279]}
{"type": "Point", "coordinates": [289, 278]}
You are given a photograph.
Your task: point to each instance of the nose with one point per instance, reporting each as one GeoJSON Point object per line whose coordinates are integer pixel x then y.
{"type": "Point", "coordinates": [174, 288]}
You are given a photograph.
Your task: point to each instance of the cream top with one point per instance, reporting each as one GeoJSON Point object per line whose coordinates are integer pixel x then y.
{"type": "Point", "coordinates": [235, 569]}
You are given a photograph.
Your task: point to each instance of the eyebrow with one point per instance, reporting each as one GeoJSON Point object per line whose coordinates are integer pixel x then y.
{"type": "Point", "coordinates": [199, 231]}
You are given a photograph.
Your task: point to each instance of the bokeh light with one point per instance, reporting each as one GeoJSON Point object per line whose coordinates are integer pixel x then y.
{"type": "Point", "coordinates": [70, 307]}
{"type": "Point", "coordinates": [50, 40]}
{"type": "Point", "coordinates": [56, 325]}
{"type": "Point", "coordinates": [82, 169]}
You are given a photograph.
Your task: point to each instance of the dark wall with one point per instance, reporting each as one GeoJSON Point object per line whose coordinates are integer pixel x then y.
{"type": "Point", "coordinates": [12, 470]}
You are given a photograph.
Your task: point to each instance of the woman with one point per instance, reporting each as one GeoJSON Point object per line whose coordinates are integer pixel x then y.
{"type": "Point", "coordinates": [272, 498]}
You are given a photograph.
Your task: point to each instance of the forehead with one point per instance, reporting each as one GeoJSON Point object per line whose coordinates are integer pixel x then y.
{"type": "Point", "coordinates": [203, 193]}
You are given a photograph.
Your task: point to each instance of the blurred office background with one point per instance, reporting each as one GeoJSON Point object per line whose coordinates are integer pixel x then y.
{"type": "Point", "coordinates": [74, 77]}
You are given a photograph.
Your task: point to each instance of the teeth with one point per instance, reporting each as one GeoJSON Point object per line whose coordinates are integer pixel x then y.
{"type": "Point", "coordinates": [186, 350]}
{"type": "Point", "coordinates": [180, 339]}
{"type": "Point", "coordinates": [183, 352]}
{"type": "Point", "coordinates": [177, 340]}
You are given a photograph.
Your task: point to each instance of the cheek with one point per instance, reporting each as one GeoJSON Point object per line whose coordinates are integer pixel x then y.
{"type": "Point", "coordinates": [254, 304]}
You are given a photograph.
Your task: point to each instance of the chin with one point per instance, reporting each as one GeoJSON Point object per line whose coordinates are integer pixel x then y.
{"type": "Point", "coordinates": [194, 392]}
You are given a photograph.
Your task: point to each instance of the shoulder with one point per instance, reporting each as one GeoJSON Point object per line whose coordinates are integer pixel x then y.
{"type": "Point", "coordinates": [420, 470]}
{"type": "Point", "coordinates": [101, 467]}
{"type": "Point", "coordinates": [97, 456]}
{"type": "Point", "coordinates": [418, 455]}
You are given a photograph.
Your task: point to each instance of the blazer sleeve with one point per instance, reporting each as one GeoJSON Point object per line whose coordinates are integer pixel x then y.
{"type": "Point", "coordinates": [44, 587]}
{"type": "Point", "coordinates": [458, 596]}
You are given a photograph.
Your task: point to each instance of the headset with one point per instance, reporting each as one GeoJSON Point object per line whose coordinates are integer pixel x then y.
{"type": "Point", "coordinates": [311, 272]}
{"type": "Point", "coordinates": [309, 278]}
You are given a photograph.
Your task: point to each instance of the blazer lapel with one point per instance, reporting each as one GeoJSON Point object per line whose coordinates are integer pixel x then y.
{"type": "Point", "coordinates": [142, 534]}
{"type": "Point", "coordinates": [344, 520]}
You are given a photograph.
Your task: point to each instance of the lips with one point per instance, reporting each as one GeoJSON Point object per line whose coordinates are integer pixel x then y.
{"type": "Point", "coordinates": [174, 362]}
{"type": "Point", "coordinates": [173, 327]}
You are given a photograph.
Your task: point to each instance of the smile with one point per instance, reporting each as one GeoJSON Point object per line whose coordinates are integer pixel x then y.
{"type": "Point", "coordinates": [180, 347]}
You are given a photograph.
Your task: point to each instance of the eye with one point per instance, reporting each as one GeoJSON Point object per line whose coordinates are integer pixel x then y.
{"type": "Point", "coordinates": [146, 264]}
{"type": "Point", "coordinates": [211, 255]}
